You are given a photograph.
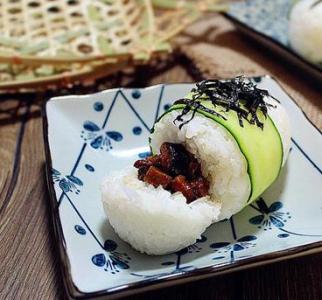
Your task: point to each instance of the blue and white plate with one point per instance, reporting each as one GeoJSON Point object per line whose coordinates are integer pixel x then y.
{"type": "Point", "coordinates": [87, 137]}
{"type": "Point", "coordinates": [267, 22]}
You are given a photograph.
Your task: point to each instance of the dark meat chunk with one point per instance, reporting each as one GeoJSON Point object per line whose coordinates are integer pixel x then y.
{"type": "Point", "coordinates": [176, 170]}
{"type": "Point", "coordinates": [144, 164]}
{"type": "Point", "coordinates": [174, 158]}
{"type": "Point", "coordinates": [156, 177]}
{"type": "Point", "coordinates": [180, 184]}
{"type": "Point", "coordinates": [149, 161]}
{"type": "Point", "coordinates": [193, 170]}
{"type": "Point", "coordinates": [200, 187]}
{"type": "Point", "coordinates": [154, 160]}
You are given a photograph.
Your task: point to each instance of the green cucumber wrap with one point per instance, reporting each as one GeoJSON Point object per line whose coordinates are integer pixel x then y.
{"type": "Point", "coordinates": [261, 146]}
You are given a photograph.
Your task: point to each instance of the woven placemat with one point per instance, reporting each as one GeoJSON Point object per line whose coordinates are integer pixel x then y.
{"type": "Point", "coordinates": [218, 50]}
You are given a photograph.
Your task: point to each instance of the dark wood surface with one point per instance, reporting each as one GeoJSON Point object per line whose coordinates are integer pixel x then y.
{"type": "Point", "coordinates": [29, 266]}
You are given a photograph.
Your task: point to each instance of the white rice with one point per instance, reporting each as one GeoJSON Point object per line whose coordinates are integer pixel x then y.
{"type": "Point", "coordinates": [157, 222]}
{"type": "Point", "coordinates": [305, 30]}
{"type": "Point", "coordinates": [222, 162]}
{"type": "Point", "coordinates": [151, 219]}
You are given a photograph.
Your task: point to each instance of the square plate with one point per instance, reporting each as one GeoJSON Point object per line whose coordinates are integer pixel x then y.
{"type": "Point", "coordinates": [86, 137]}
{"type": "Point", "coordinates": [267, 22]}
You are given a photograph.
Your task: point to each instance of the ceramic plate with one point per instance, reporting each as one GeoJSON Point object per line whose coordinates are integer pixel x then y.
{"type": "Point", "coordinates": [267, 22]}
{"type": "Point", "coordinates": [87, 137]}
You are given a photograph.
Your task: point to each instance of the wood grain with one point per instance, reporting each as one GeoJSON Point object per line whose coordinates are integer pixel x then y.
{"type": "Point", "coordinates": [295, 279]}
{"type": "Point", "coordinates": [29, 265]}
{"type": "Point", "coordinates": [8, 134]}
{"type": "Point", "coordinates": [28, 262]}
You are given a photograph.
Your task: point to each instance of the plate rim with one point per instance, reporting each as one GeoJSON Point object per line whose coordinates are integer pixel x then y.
{"type": "Point", "coordinates": [256, 34]}
{"type": "Point", "coordinates": [168, 280]}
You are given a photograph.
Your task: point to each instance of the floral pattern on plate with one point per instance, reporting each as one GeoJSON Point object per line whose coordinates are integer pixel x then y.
{"type": "Point", "coordinates": [109, 130]}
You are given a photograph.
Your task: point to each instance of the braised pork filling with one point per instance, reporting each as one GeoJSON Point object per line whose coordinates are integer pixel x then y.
{"type": "Point", "coordinates": [176, 170]}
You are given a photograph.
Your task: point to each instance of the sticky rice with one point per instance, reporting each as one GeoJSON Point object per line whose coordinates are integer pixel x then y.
{"type": "Point", "coordinates": [153, 220]}
{"type": "Point", "coordinates": [305, 29]}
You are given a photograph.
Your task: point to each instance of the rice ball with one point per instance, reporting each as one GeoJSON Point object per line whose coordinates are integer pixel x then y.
{"type": "Point", "coordinates": [153, 220]}
{"type": "Point", "coordinates": [305, 29]}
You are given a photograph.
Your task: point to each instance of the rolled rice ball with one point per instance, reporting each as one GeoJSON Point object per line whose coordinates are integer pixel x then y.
{"type": "Point", "coordinates": [222, 162]}
{"type": "Point", "coordinates": [305, 29]}
{"type": "Point", "coordinates": [153, 220]}
{"type": "Point", "coordinates": [157, 222]}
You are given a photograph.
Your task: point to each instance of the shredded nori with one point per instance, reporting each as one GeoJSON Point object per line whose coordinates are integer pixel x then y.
{"type": "Point", "coordinates": [239, 94]}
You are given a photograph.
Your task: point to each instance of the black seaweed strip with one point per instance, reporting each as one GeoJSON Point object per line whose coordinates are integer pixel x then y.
{"type": "Point", "coordinates": [238, 94]}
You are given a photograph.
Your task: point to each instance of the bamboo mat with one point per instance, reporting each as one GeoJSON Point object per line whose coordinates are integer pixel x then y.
{"type": "Point", "coordinates": [218, 50]}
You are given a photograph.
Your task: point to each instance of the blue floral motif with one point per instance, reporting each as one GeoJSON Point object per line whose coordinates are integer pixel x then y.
{"type": "Point", "coordinates": [136, 94]}
{"type": "Point", "coordinates": [98, 138]}
{"type": "Point", "coordinates": [166, 106]}
{"type": "Point", "coordinates": [137, 130]}
{"type": "Point", "coordinates": [68, 183]}
{"type": "Point", "coordinates": [196, 246]}
{"type": "Point", "coordinates": [143, 155]}
{"type": "Point", "coordinates": [177, 262]}
{"type": "Point", "coordinates": [236, 245]}
{"type": "Point", "coordinates": [80, 229]}
{"type": "Point", "coordinates": [99, 260]}
{"type": "Point", "coordinates": [269, 216]}
{"type": "Point", "coordinates": [112, 261]}
{"type": "Point", "coordinates": [257, 79]}
{"type": "Point", "coordinates": [283, 235]}
{"type": "Point", "coordinates": [89, 167]}
{"type": "Point", "coordinates": [98, 106]}
{"type": "Point", "coordinates": [240, 244]}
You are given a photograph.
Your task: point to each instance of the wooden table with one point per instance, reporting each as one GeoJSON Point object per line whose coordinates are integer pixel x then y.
{"type": "Point", "coordinates": [29, 266]}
